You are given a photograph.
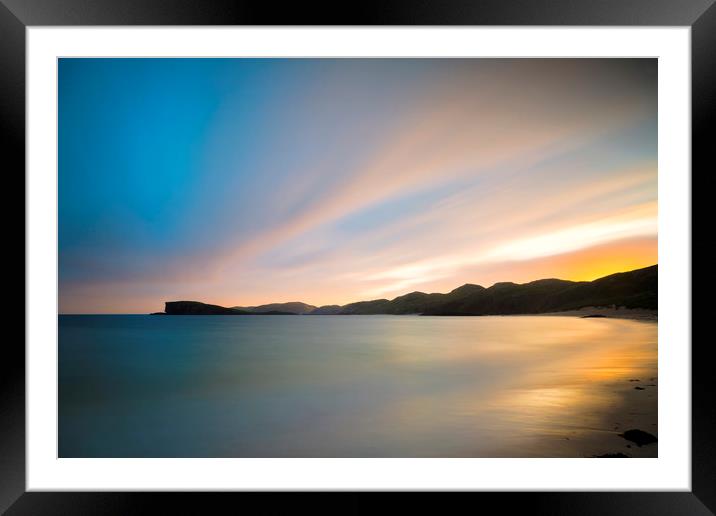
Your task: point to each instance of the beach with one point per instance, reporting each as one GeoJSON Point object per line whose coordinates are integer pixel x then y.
{"type": "Point", "coordinates": [635, 314]}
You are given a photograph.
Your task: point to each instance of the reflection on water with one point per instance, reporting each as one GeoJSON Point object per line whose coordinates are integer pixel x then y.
{"type": "Point", "coordinates": [354, 386]}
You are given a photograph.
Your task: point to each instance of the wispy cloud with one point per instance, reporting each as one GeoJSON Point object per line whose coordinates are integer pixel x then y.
{"type": "Point", "coordinates": [375, 178]}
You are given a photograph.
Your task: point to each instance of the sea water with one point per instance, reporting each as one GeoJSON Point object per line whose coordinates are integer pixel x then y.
{"type": "Point", "coordinates": [354, 386]}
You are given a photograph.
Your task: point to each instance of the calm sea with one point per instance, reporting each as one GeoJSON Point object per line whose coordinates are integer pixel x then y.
{"type": "Point", "coordinates": [353, 386]}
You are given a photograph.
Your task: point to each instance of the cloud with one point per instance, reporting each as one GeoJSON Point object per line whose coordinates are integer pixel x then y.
{"type": "Point", "coordinates": [361, 187]}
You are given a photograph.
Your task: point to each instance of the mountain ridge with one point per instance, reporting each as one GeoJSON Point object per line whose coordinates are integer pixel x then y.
{"type": "Point", "coordinates": [632, 289]}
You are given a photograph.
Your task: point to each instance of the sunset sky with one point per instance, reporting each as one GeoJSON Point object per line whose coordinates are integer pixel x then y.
{"type": "Point", "coordinates": [248, 181]}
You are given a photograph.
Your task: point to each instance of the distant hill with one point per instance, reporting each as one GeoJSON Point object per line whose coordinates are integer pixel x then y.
{"type": "Point", "coordinates": [633, 289]}
{"type": "Point", "coordinates": [293, 307]}
{"type": "Point", "coordinates": [197, 308]}
{"type": "Point", "coordinates": [326, 310]}
{"type": "Point", "coordinates": [413, 303]}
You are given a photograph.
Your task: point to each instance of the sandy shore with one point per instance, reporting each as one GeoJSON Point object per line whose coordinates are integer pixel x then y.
{"type": "Point", "coordinates": [638, 410]}
{"type": "Point", "coordinates": [639, 314]}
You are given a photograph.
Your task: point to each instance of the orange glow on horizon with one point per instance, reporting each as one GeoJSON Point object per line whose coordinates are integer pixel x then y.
{"type": "Point", "coordinates": [597, 262]}
{"type": "Point", "coordinates": [583, 265]}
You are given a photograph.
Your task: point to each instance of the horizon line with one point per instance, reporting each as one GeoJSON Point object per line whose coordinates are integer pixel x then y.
{"type": "Point", "coordinates": [376, 299]}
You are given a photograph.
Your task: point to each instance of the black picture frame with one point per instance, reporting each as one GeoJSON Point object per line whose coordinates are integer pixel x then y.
{"type": "Point", "coordinates": [16, 15]}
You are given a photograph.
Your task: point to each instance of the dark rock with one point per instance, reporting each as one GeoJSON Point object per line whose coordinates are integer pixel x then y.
{"type": "Point", "coordinates": [637, 388]}
{"type": "Point", "coordinates": [617, 455]}
{"type": "Point", "coordinates": [594, 316]}
{"type": "Point", "coordinates": [639, 437]}
{"type": "Point", "coordinates": [158, 313]}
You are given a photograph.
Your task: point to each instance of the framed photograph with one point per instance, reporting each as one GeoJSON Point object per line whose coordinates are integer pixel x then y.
{"type": "Point", "coordinates": [418, 249]}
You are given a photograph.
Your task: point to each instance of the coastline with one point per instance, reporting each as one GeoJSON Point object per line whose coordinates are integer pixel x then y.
{"type": "Point", "coordinates": [635, 314]}
{"type": "Point", "coordinates": [636, 288]}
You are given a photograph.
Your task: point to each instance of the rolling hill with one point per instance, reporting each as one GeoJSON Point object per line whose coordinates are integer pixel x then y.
{"type": "Point", "coordinates": [633, 289]}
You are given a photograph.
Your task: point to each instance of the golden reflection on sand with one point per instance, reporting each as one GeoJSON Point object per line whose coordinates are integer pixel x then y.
{"type": "Point", "coordinates": [564, 388]}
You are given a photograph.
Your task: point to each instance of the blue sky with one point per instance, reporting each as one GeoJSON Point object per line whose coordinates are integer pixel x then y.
{"type": "Point", "coordinates": [244, 181]}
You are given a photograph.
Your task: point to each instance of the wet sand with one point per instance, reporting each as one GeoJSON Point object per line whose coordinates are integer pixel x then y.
{"type": "Point", "coordinates": [632, 405]}
{"type": "Point", "coordinates": [636, 314]}
{"type": "Point", "coordinates": [589, 431]}
{"type": "Point", "coordinates": [638, 411]}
